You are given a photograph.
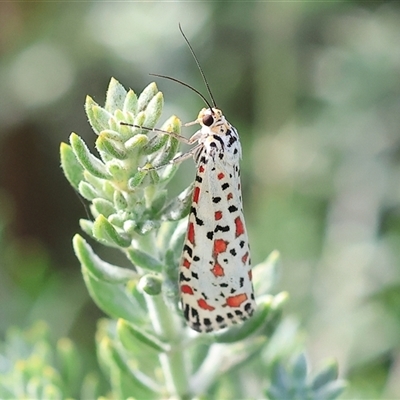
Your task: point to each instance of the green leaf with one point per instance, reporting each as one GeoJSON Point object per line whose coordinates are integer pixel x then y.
{"type": "Point", "coordinates": [130, 380]}
{"type": "Point", "coordinates": [156, 143]}
{"type": "Point", "coordinates": [154, 110]}
{"type": "Point", "coordinates": [290, 381]}
{"type": "Point", "coordinates": [168, 173]}
{"type": "Point", "coordinates": [131, 102]}
{"type": "Point", "coordinates": [87, 160]}
{"type": "Point", "coordinates": [103, 207]}
{"type": "Point", "coordinates": [104, 231]}
{"type": "Point", "coordinates": [150, 284]}
{"type": "Point", "coordinates": [98, 117]}
{"type": "Point", "coordinates": [51, 392]}
{"type": "Point", "coordinates": [147, 94]}
{"type": "Point", "coordinates": [170, 287]}
{"type": "Point", "coordinates": [144, 260]}
{"type": "Point", "coordinates": [299, 370]}
{"type": "Point", "coordinates": [331, 390]}
{"type": "Point", "coordinates": [90, 387]}
{"type": "Point", "coordinates": [265, 274]}
{"type": "Point", "coordinates": [69, 363]}
{"type": "Point", "coordinates": [113, 299]}
{"type": "Point", "coordinates": [136, 180]}
{"type": "Point", "coordinates": [139, 120]}
{"type": "Point", "coordinates": [130, 334]}
{"type": "Point", "coordinates": [118, 172]}
{"type": "Point", "coordinates": [97, 267]}
{"type": "Point", "coordinates": [136, 142]}
{"type": "Point", "coordinates": [280, 383]}
{"type": "Point", "coordinates": [177, 239]}
{"type": "Point", "coordinates": [119, 201]}
{"type": "Point", "coordinates": [87, 191]}
{"type": "Point", "coordinates": [328, 374]}
{"type": "Point", "coordinates": [111, 147]}
{"type": "Point", "coordinates": [169, 151]}
{"type": "Point", "coordinates": [178, 207]}
{"type": "Point", "coordinates": [274, 319]}
{"type": "Point", "coordinates": [249, 327]}
{"type": "Point", "coordinates": [158, 202]}
{"type": "Point", "coordinates": [87, 226]}
{"type": "Point", "coordinates": [115, 97]}
{"type": "Point", "coordinates": [72, 168]}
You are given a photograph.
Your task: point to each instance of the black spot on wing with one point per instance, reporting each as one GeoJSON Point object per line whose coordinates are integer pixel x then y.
{"type": "Point", "coordinates": [196, 276]}
{"type": "Point", "coordinates": [188, 250]}
{"type": "Point", "coordinates": [199, 221]}
{"type": "Point", "coordinates": [182, 278]}
{"type": "Point", "coordinates": [222, 228]}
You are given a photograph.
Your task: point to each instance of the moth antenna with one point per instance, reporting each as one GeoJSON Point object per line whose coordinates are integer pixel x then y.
{"type": "Point", "coordinates": [199, 67]}
{"type": "Point", "coordinates": [187, 85]}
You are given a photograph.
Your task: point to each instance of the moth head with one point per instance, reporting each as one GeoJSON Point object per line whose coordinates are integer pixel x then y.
{"type": "Point", "coordinates": [211, 117]}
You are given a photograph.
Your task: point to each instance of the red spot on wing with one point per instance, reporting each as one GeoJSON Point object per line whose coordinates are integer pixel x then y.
{"type": "Point", "coordinates": [217, 270]}
{"type": "Point", "coordinates": [186, 289]}
{"type": "Point", "coordinates": [236, 301]}
{"type": "Point", "coordinates": [186, 263]}
{"type": "Point", "coordinates": [201, 169]}
{"type": "Point", "coordinates": [230, 196]}
{"type": "Point", "coordinates": [190, 233]}
{"type": "Point", "coordinates": [217, 215]}
{"type": "Point", "coordinates": [220, 246]}
{"type": "Point", "coordinates": [245, 257]}
{"type": "Point", "coordinates": [196, 194]}
{"type": "Point", "coordinates": [239, 226]}
{"type": "Point", "coordinates": [204, 305]}
{"type": "Point", "coordinates": [221, 175]}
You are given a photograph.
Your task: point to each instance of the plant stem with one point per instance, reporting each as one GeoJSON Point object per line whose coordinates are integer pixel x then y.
{"type": "Point", "coordinates": [167, 325]}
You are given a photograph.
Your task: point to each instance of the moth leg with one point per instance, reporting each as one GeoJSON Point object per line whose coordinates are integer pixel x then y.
{"type": "Point", "coordinates": [176, 160]}
{"type": "Point", "coordinates": [158, 131]}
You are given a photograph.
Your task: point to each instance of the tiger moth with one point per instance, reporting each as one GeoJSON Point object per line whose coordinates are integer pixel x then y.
{"type": "Point", "coordinates": [215, 277]}
{"type": "Point", "coordinates": [215, 271]}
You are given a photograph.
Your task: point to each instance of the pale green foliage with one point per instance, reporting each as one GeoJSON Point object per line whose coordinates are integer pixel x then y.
{"type": "Point", "coordinates": [30, 368]}
{"type": "Point", "coordinates": [290, 381]}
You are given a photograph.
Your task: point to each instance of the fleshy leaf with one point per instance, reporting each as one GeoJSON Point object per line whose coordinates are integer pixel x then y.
{"type": "Point", "coordinates": [249, 327]}
{"type": "Point", "coordinates": [126, 331]}
{"type": "Point", "coordinates": [144, 260]}
{"type": "Point", "coordinates": [328, 374]}
{"type": "Point", "coordinates": [113, 148]}
{"type": "Point", "coordinates": [145, 97]}
{"type": "Point", "coordinates": [72, 168]}
{"type": "Point", "coordinates": [154, 110]}
{"type": "Point", "coordinates": [87, 160]}
{"type": "Point", "coordinates": [131, 102]}
{"type": "Point", "coordinates": [115, 97]}
{"type": "Point", "coordinates": [113, 299]}
{"type": "Point", "coordinates": [98, 268]}
{"type": "Point", "coordinates": [104, 231]}
{"type": "Point", "coordinates": [98, 117]}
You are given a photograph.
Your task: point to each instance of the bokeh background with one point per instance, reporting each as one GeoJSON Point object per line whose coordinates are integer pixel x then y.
{"type": "Point", "coordinates": [314, 90]}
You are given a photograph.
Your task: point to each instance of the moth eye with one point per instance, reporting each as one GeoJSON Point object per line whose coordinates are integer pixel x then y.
{"type": "Point", "coordinates": [208, 120]}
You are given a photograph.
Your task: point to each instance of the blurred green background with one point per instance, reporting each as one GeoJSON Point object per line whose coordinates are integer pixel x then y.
{"type": "Point", "coordinates": [314, 90]}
